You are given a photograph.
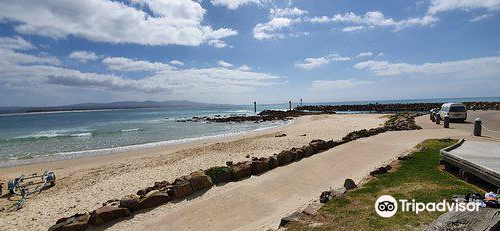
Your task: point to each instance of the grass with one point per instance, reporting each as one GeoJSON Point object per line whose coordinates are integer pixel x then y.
{"type": "Point", "coordinates": [418, 177]}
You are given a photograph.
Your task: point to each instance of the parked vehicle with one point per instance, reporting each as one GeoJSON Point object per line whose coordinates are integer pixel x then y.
{"type": "Point", "coordinates": [456, 111]}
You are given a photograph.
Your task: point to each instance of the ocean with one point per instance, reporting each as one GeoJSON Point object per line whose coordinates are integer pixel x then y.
{"type": "Point", "coordinates": [35, 137]}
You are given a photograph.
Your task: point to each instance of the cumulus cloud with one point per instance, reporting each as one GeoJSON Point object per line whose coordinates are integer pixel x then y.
{"type": "Point", "coordinates": [83, 56]}
{"type": "Point", "coordinates": [11, 57]}
{"type": "Point", "coordinates": [234, 4]}
{"type": "Point", "coordinates": [153, 22]}
{"type": "Point", "coordinates": [245, 68]}
{"type": "Point", "coordinates": [438, 6]}
{"type": "Point", "coordinates": [374, 19]}
{"type": "Point", "coordinates": [280, 20]}
{"type": "Point", "coordinates": [475, 67]}
{"type": "Point", "coordinates": [312, 63]}
{"type": "Point", "coordinates": [224, 64]}
{"type": "Point", "coordinates": [287, 12]}
{"type": "Point", "coordinates": [15, 43]}
{"type": "Point", "coordinates": [129, 65]}
{"type": "Point", "coordinates": [326, 85]}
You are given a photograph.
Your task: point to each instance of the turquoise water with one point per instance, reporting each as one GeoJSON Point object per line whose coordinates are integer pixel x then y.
{"type": "Point", "coordinates": [26, 138]}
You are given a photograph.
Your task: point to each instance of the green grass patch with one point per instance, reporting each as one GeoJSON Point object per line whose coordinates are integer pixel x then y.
{"type": "Point", "coordinates": [418, 177]}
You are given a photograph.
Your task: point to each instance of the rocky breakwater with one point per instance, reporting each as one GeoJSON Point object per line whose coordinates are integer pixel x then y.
{"type": "Point", "coordinates": [266, 115]}
{"type": "Point", "coordinates": [415, 107]}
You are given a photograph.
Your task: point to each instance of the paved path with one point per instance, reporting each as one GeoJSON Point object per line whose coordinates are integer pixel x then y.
{"type": "Point", "coordinates": [259, 202]}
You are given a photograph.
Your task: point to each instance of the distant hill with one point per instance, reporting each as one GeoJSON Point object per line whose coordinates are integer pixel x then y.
{"type": "Point", "coordinates": [113, 105]}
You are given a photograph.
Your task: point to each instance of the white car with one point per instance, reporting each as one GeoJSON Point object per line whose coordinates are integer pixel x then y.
{"type": "Point", "coordinates": [456, 111]}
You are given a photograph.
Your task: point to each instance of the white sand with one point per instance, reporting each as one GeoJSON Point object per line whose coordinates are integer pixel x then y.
{"type": "Point", "coordinates": [83, 184]}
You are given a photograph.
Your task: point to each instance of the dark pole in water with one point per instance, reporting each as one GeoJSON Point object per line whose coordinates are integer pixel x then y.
{"type": "Point", "coordinates": [290, 105]}
{"type": "Point", "coordinates": [301, 102]}
{"type": "Point", "coordinates": [254, 107]}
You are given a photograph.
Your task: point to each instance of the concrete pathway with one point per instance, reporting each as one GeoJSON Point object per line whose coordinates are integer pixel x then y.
{"type": "Point", "coordinates": [259, 202]}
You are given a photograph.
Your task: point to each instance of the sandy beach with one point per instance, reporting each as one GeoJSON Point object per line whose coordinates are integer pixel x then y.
{"type": "Point", "coordinates": [84, 183]}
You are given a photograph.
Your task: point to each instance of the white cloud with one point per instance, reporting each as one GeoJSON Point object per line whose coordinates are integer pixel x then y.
{"type": "Point", "coordinates": [83, 56]}
{"type": "Point", "coordinates": [224, 64]}
{"type": "Point", "coordinates": [326, 85]}
{"type": "Point", "coordinates": [380, 54]}
{"type": "Point", "coordinates": [234, 4]}
{"type": "Point", "coordinates": [480, 17]}
{"type": "Point", "coordinates": [15, 43]}
{"type": "Point", "coordinates": [217, 43]}
{"type": "Point", "coordinates": [11, 57]}
{"type": "Point", "coordinates": [312, 63]}
{"type": "Point", "coordinates": [352, 28]}
{"type": "Point", "coordinates": [245, 68]}
{"type": "Point", "coordinates": [177, 62]}
{"type": "Point", "coordinates": [166, 22]}
{"type": "Point", "coordinates": [30, 71]}
{"type": "Point", "coordinates": [375, 19]}
{"type": "Point", "coordinates": [438, 6]}
{"type": "Point", "coordinates": [286, 12]}
{"type": "Point", "coordinates": [129, 65]}
{"type": "Point", "coordinates": [469, 68]}
{"type": "Point", "coordinates": [365, 54]}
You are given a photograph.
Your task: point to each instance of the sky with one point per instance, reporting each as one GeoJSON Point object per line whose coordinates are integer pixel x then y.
{"type": "Point", "coordinates": [58, 52]}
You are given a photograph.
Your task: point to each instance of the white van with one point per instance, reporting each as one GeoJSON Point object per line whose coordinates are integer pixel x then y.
{"type": "Point", "coordinates": [456, 111]}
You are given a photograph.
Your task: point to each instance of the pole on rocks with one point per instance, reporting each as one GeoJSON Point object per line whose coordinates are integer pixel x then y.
{"type": "Point", "coordinates": [446, 121]}
{"type": "Point", "coordinates": [290, 105]}
{"type": "Point", "coordinates": [438, 118]}
{"type": "Point", "coordinates": [301, 102]}
{"type": "Point", "coordinates": [477, 126]}
{"type": "Point", "coordinates": [254, 107]}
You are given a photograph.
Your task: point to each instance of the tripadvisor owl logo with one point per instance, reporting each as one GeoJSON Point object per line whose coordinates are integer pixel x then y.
{"type": "Point", "coordinates": [386, 206]}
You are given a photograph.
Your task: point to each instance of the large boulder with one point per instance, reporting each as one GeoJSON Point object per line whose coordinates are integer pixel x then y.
{"type": "Point", "coordinates": [242, 169]}
{"type": "Point", "coordinates": [181, 188]}
{"type": "Point", "coordinates": [273, 161]}
{"type": "Point", "coordinates": [318, 145]}
{"type": "Point", "coordinates": [110, 211]}
{"type": "Point", "coordinates": [199, 180]}
{"type": "Point", "coordinates": [220, 174]}
{"type": "Point", "coordinates": [77, 222]}
{"type": "Point", "coordinates": [349, 184]}
{"type": "Point", "coordinates": [308, 150]}
{"type": "Point", "coordinates": [285, 157]}
{"type": "Point", "coordinates": [131, 202]}
{"type": "Point", "coordinates": [299, 153]}
{"type": "Point", "coordinates": [154, 199]}
{"type": "Point", "coordinates": [260, 165]}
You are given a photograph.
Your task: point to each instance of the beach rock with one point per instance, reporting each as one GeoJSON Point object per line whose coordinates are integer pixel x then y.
{"type": "Point", "coordinates": [308, 150]}
{"type": "Point", "coordinates": [273, 161]}
{"type": "Point", "coordinates": [312, 208]}
{"type": "Point", "coordinates": [77, 222]}
{"type": "Point", "coordinates": [290, 218]}
{"type": "Point", "coordinates": [242, 169]}
{"type": "Point", "coordinates": [299, 153]}
{"type": "Point", "coordinates": [260, 165]}
{"type": "Point", "coordinates": [181, 188]}
{"type": "Point", "coordinates": [144, 191]}
{"type": "Point", "coordinates": [329, 194]}
{"type": "Point", "coordinates": [349, 184]}
{"type": "Point", "coordinates": [154, 199]}
{"type": "Point", "coordinates": [318, 145]}
{"type": "Point", "coordinates": [285, 157]}
{"type": "Point", "coordinates": [220, 174]}
{"type": "Point", "coordinates": [280, 135]}
{"type": "Point", "coordinates": [131, 202]}
{"type": "Point", "coordinates": [160, 185]}
{"type": "Point", "coordinates": [229, 163]}
{"type": "Point", "coordinates": [334, 143]}
{"type": "Point", "coordinates": [380, 170]}
{"type": "Point", "coordinates": [199, 180]}
{"type": "Point", "coordinates": [109, 212]}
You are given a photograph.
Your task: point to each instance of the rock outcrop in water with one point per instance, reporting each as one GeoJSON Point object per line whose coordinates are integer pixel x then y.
{"type": "Point", "coordinates": [266, 115]}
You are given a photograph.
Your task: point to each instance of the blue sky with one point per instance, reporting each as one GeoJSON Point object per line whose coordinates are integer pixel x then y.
{"type": "Point", "coordinates": [240, 51]}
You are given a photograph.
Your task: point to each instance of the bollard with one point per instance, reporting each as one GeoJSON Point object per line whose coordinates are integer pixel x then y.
{"type": "Point", "coordinates": [446, 121]}
{"type": "Point", "coordinates": [477, 127]}
{"type": "Point", "coordinates": [438, 118]}
{"type": "Point", "coordinates": [433, 117]}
